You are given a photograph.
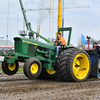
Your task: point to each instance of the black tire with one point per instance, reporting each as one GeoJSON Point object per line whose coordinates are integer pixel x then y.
{"type": "Point", "coordinates": [12, 70]}
{"type": "Point", "coordinates": [46, 75]}
{"type": "Point", "coordinates": [27, 68]}
{"type": "Point", "coordinates": [65, 64]}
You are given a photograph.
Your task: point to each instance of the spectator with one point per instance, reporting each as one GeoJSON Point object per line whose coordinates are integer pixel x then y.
{"type": "Point", "coordinates": [97, 48]}
{"type": "Point", "coordinates": [71, 45]}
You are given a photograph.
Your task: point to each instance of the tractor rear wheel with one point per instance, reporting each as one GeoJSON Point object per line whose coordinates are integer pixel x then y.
{"type": "Point", "coordinates": [32, 68]}
{"type": "Point", "coordinates": [10, 68]}
{"type": "Point", "coordinates": [73, 65]}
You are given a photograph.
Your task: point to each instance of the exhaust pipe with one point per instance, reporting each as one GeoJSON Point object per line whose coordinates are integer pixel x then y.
{"type": "Point", "coordinates": [38, 30]}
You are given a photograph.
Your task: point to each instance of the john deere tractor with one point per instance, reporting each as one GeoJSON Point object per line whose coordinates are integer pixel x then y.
{"type": "Point", "coordinates": [72, 64]}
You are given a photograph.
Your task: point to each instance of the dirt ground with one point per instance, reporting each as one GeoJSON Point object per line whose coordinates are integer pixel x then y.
{"type": "Point", "coordinates": [19, 87]}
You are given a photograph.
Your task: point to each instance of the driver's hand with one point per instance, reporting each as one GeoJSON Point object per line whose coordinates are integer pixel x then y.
{"type": "Point", "coordinates": [54, 40]}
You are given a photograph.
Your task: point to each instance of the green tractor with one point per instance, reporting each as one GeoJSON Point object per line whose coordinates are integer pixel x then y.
{"type": "Point", "coordinates": [72, 64]}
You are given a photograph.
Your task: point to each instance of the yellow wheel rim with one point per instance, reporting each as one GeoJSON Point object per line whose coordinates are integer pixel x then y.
{"type": "Point", "coordinates": [50, 71]}
{"type": "Point", "coordinates": [11, 66]}
{"type": "Point", "coordinates": [81, 66]}
{"type": "Point", "coordinates": [34, 68]}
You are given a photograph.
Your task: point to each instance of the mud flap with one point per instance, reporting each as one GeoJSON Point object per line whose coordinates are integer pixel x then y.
{"type": "Point", "coordinates": [98, 70]}
{"type": "Point", "coordinates": [94, 65]}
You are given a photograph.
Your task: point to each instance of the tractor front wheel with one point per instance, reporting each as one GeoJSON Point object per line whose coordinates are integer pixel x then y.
{"type": "Point", "coordinates": [32, 68]}
{"type": "Point", "coordinates": [10, 68]}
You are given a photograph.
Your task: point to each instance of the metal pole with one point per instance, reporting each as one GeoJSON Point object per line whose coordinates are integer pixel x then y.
{"type": "Point", "coordinates": [88, 43]}
{"type": "Point", "coordinates": [23, 19]}
{"type": "Point", "coordinates": [18, 20]}
{"type": "Point", "coordinates": [50, 20]}
{"type": "Point", "coordinates": [63, 17]}
{"type": "Point", "coordinates": [7, 24]}
{"type": "Point", "coordinates": [59, 15]}
{"type": "Point", "coordinates": [53, 20]}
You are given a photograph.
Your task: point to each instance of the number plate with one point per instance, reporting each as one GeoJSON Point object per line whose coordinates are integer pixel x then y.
{"type": "Point", "coordinates": [1, 58]}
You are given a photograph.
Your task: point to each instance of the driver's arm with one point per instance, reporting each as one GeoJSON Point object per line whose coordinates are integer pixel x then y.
{"type": "Point", "coordinates": [63, 44]}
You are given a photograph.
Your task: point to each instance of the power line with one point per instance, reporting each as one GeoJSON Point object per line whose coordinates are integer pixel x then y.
{"type": "Point", "coordinates": [57, 8]}
{"type": "Point", "coordinates": [77, 7]}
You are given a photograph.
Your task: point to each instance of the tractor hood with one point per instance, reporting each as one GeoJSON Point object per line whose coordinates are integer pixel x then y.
{"type": "Point", "coordinates": [34, 42]}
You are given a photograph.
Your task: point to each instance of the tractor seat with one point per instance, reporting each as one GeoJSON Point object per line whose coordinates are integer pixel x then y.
{"type": "Point", "coordinates": [63, 46]}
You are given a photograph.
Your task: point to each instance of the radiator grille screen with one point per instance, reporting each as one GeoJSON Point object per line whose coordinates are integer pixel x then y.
{"type": "Point", "coordinates": [31, 50]}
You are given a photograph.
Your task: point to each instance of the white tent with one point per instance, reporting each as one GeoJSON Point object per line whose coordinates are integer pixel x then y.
{"type": "Point", "coordinates": [6, 43]}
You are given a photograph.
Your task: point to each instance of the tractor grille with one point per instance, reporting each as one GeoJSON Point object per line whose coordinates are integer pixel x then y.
{"type": "Point", "coordinates": [18, 46]}
{"type": "Point", "coordinates": [17, 40]}
{"type": "Point", "coordinates": [31, 50]}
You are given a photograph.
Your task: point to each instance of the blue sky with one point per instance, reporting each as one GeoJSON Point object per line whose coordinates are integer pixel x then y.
{"type": "Point", "coordinates": [84, 21]}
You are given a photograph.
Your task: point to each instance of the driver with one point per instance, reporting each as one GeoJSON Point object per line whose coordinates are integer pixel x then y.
{"type": "Point", "coordinates": [61, 41]}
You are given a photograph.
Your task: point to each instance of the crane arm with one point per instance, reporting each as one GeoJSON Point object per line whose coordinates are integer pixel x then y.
{"type": "Point", "coordinates": [28, 25]}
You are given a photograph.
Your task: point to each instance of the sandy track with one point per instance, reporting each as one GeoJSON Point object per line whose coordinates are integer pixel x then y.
{"type": "Point", "coordinates": [18, 87]}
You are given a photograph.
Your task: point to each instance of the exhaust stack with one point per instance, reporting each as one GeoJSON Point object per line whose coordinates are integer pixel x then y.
{"type": "Point", "coordinates": [38, 31]}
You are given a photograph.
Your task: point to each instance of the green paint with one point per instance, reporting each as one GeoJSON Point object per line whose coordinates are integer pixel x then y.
{"type": "Point", "coordinates": [26, 48]}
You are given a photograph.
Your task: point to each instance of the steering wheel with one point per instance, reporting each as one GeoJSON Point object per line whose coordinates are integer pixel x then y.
{"type": "Point", "coordinates": [57, 41]}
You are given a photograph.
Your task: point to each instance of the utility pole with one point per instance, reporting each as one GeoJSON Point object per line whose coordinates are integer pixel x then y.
{"type": "Point", "coordinates": [53, 20]}
{"type": "Point", "coordinates": [63, 16]}
{"type": "Point", "coordinates": [7, 24]}
{"type": "Point", "coordinates": [50, 20]}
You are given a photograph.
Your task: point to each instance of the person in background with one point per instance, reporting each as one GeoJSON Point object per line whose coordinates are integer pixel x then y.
{"type": "Point", "coordinates": [97, 48]}
{"type": "Point", "coordinates": [61, 42]}
{"type": "Point", "coordinates": [71, 45]}
{"type": "Point", "coordinates": [4, 52]}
